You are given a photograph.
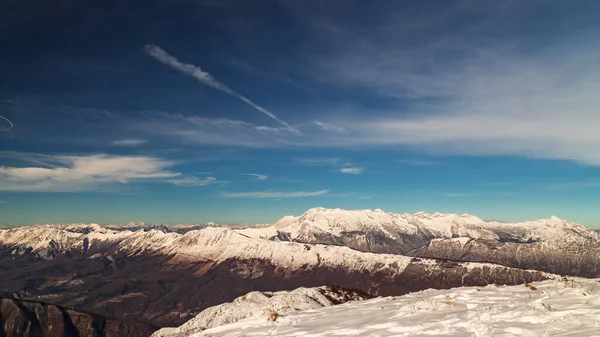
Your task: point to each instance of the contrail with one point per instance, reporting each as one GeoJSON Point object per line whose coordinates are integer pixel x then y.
{"type": "Point", "coordinates": [205, 78]}
{"type": "Point", "coordinates": [8, 128]}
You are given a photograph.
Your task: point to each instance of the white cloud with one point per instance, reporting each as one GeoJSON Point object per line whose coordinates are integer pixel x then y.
{"type": "Point", "coordinates": [129, 142]}
{"type": "Point", "coordinates": [469, 93]}
{"type": "Point", "coordinates": [455, 195]}
{"type": "Point", "coordinates": [273, 194]}
{"type": "Point", "coordinates": [485, 100]}
{"type": "Point", "coordinates": [352, 170]}
{"type": "Point", "coordinates": [205, 78]}
{"type": "Point", "coordinates": [256, 176]}
{"type": "Point", "coordinates": [92, 172]}
{"type": "Point", "coordinates": [366, 197]}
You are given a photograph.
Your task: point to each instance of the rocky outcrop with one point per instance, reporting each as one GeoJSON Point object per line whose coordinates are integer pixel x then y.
{"type": "Point", "coordinates": [37, 319]}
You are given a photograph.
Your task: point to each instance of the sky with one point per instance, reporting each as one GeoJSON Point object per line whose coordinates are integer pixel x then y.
{"type": "Point", "coordinates": [234, 111]}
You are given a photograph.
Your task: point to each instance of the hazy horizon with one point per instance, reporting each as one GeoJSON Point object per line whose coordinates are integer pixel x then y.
{"type": "Point", "coordinates": [168, 223]}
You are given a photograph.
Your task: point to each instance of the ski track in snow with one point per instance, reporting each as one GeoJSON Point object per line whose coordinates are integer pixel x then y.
{"type": "Point", "coordinates": [555, 308]}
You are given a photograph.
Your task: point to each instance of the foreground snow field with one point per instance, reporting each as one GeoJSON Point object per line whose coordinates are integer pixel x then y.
{"type": "Point", "coordinates": [256, 303]}
{"type": "Point", "coordinates": [549, 308]}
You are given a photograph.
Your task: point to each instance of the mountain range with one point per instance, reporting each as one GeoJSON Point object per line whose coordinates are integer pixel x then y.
{"type": "Point", "coordinates": [552, 245]}
{"type": "Point", "coordinates": [167, 276]}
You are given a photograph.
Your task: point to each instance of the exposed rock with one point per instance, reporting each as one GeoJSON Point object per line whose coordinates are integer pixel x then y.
{"type": "Point", "coordinates": [36, 319]}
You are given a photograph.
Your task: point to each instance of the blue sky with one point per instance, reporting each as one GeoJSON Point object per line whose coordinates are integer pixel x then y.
{"type": "Point", "coordinates": [191, 111]}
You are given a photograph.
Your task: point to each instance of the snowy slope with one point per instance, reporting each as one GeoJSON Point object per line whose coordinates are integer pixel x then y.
{"type": "Point", "coordinates": [549, 308]}
{"type": "Point", "coordinates": [257, 304]}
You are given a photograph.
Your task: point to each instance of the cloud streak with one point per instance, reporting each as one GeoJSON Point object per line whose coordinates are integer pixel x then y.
{"type": "Point", "coordinates": [352, 170]}
{"type": "Point", "coordinates": [129, 142]}
{"type": "Point", "coordinates": [191, 181]}
{"type": "Point", "coordinates": [256, 176]}
{"type": "Point", "coordinates": [319, 161]}
{"type": "Point", "coordinates": [273, 194]}
{"type": "Point", "coordinates": [417, 162]}
{"type": "Point", "coordinates": [205, 78]}
{"type": "Point", "coordinates": [89, 173]}
{"type": "Point", "coordinates": [7, 130]}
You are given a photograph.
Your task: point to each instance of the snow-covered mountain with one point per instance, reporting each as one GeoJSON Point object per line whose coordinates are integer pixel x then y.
{"type": "Point", "coordinates": [552, 245]}
{"type": "Point", "coordinates": [263, 304]}
{"type": "Point", "coordinates": [549, 308]}
{"type": "Point", "coordinates": [167, 278]}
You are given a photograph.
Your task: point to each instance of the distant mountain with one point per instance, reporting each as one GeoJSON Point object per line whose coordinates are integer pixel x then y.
{"type": "Point", "coordinates": [551, 245]}
{"type": "Point", "coordinates": [181, 229]}
{"type": "Point", "coordinates": [26, 318]}
{"type": "Point", "coordinates": [168, 278]}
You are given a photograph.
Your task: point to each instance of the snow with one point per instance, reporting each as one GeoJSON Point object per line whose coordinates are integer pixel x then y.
{"type": "Point", "coordinates": [549, 308]}
{"type": "Point", "coordinates": [553, 231]}
{"type": "Point", "coordinates": [216, 244]}
{"type": "Point", "coordinates": [319, 221]}
{"type": "Point", "coordinates": [259, 232]}
{"type": "Point", "coordinates": [256, 304]}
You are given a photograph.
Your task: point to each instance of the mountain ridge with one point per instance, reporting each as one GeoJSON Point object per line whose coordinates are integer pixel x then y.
{"type": "Point", "coordinates": [553, 245]}
{"type": "Point", "coordinates": [167, 278]}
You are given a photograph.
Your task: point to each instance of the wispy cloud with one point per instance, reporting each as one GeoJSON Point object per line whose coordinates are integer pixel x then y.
{"type": "Point", "coordinates": [92, 172]}
{"type": "Point", "coordinates": [273, 75]}
{"type": "Point", "coordinates": [352, 170]}
{"type": "Point", "coordinates": [207, 79]}
{"type": "Point", "coordinates": [211, 131]}
{"type": "Point", "coordinates": [193, 181]}
{"type": "Point", "coordinates": [319, 161]}
{"type": "Point", "coordinates": [129, 142]}
{"type": "Point", "coordinates": [368, 197]}
{"type": "Point", "coordinates": [256, 176]}
{"type": "Point", "coordinates": [338, 164]}
{"type": "Point", "coordinates": [455, 195]}
{"type": "Point", "coordinates": [418, 162]}
{"type": "Point", "coordinates": [464, 91]}
{"type": "Point", "coordinates": [7, 129]}
{"type": "Point", "coordinates": [329, 126]}
{"type": "Point", "coordinates": [273, 194]}
{"type": "Point", "coordinates": [575, 185]}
